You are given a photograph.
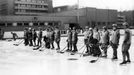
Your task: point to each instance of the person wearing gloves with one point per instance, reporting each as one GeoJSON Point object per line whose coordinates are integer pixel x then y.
{"type": "Point", "coordinates": [126, 44]}
{"type": "Point", "coordinates": [86, 37]}
{"type": "Point", "coordinates": [57, 36]}
{"type": "Point", "coordinates": [74, 40]}
{"type": "Point", "coordinates": [114, 41]}
{"type": "Point", "coordinates": [104, 41]}
{"type": "Point", "coordinates": [69, 40]}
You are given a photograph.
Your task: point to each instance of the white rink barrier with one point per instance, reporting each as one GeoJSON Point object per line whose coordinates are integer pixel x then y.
{"type": "Point", "coordinates": [21, 33]}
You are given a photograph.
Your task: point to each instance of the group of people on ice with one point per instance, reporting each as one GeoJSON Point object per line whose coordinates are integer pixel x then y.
{"type": "Point", "coordinates": [96, 41]}
{"type": "Point", "coordinates": [49, 36]}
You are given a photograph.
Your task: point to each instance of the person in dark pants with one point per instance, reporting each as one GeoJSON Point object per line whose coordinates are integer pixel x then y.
{"type": "Point", "coordinates": [39, 38]}
{"type": "Point", "coordinates": [30, 37]}
{"type": "Point", "coordinates": [74, 40]}
{"type": "Point", "coordinates": [34, 37]}
{"type": "Point", "coordinates": [126, 44]}
{"type": "Point", "coordinates": [114, 42]}
{"type": "Point", "coordinates": [14, 36]}
{"type": "Point", "coordinates": [57, 36]}
{"type": "Point", "coordinates": [69, 40]}
{"type": "Point", "coordinates": [26, 41]}
{"type": "Point", "coordinates": [47, 39]}
{"type": "Point", "coordinates": [95, 42]}
{"type": "Point", "coordinates": [90, 40]}
{"type": "Point", "coordinates": [1, 34]}
{"type": "Point", "coordinates": [104, 41]}
{"type": "Point", "coordinates": [51, 38]}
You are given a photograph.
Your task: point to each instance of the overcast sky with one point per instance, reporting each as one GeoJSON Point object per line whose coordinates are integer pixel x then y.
{"type": "Point", "coordinates": [110, 4]}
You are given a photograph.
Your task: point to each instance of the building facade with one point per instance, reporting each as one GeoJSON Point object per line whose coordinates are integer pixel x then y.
{"type": "Point", "coordinates": [25, 7]}
{"type": "Point", "coordinates": [82, 17]}
{"type": "Point", "coordinates": [121, 19]}
{"type": "Point", "coordinates": [129, 17]}
{"type": "Point", "coordinates": [64, 8]}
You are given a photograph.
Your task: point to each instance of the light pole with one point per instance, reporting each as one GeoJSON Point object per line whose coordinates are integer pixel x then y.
{"type": "Point", "coordinates": [78, 17]}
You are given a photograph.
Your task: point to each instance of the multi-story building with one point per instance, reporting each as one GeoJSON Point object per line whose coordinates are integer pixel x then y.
{"type": "Point", "coordinates": [72, 18]}
{"type": "Point", "coordinates": [121, 20]}
{"type": "Point", "coordinates": [25, 7]}
{"type": "Point", "coordinates": [64, 8]}
{"type": "Point", "coordinates": [86, 17]}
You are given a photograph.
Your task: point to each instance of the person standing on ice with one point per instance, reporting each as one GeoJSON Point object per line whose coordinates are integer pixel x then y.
{"type": "Point", "coordinates": [95, 42]}
{"type": "Point", "coordinates": [69, 40]}
{"type": "Point", "coordinates": [1, 34]}
{"type": "Point", "coordinates": [51, 33]}
{"type": "Point", "coordinates": [90, 39]}
{"type": "Point", "coordinates": [39, 38]}
{"type": "Point", "coordinates": [74, 40]}
{"type": "Point", "coordinates": [104, 41]}
{"type": "Point", "coordinates": [126, 44]}
{"type": "Point", "coordinates": [57, 35]}
{"type": "Point", "coordinates": [26, 41]}
{"type": "Point", "coordinates": [30, 37]}
{"type": "Point", "coordinates": [86, 38]}
{"type": "Point", "coordinates": [47, 38]}
{"type": "Point", "coordinates": [34, 36]}
{"type": "Point", "coordinates": [114, 41]}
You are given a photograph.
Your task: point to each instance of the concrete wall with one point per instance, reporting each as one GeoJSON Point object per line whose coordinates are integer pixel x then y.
{"type": "Point", "coordinates": [50, 5]}
{"type": "Point", "coordinates": [3, 7]}
{"type": "Point", "coordinates": [39, 18]}
{"type": "Point", "coordinates": [86, 17]}
{"type": "Point", "coordinates": [29, 19]}
{"type": "Point", "coordinates": [10, 7]}
{"type": "Point", "coordinates": [70, 13]}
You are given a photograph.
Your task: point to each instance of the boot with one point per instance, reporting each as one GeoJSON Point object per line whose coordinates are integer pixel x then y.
{"type": "Point", "coordinates": [122, 63]}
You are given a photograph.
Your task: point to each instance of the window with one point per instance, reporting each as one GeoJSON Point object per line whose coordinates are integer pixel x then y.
{"type": "Point", "coordinates": [26, 24]}
{"type": "Point", "coordinates": [19, 24]}
{"type": "Point", "coordinates": [18, 0]}
{"type": "Point", "coordinates": [2, 24]}
{"type": "Point", "coordinates": [35, 24]}
{"type": "Point", "coordinates": [9, 24]}
{"type": "Point", "coordinates": [42, 24]}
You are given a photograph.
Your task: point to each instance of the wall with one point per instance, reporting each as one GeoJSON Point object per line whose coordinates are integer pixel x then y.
{"type": "Point", "coordinates": [86, 17]}
{"type": "Point", "coordinates": [3, 7]}
{"type": "Point", "coordinates": [28, 19]}
{"type": "Point", "coordinates": [10, 7]}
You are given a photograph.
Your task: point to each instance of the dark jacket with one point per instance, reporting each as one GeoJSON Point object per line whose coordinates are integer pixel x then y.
{"type": "Point", "coordinates": [74, 36]}
{"type": "Point", "coordinates": [69, 36]}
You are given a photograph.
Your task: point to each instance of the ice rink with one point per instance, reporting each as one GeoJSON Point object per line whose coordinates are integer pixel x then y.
{"type": "Point", "coordinates": [21, 60]}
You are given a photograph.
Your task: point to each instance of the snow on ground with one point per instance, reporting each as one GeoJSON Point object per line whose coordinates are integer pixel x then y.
{"type": "Point", "coordinates": [21, 60]}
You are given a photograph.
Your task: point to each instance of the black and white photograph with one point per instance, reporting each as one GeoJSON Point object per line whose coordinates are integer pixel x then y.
{"type": "Point", "coordinates": [66, 37]}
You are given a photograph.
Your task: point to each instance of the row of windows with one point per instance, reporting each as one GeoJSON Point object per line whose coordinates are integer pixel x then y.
{"type": "Point", "coordinates": [33, 1]}
{"type": "Point", "coordinates": [30, 6]}
{"type": "Point", "coordinates": [101, 23]}
{"type": "Point", "coordinates": [30, 24]}
{"type": "Point", "coordinates": [29, 11]}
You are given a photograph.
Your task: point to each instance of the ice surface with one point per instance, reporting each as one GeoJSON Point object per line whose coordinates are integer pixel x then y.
{"type": "Point", "coordinates": [21, 60]}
